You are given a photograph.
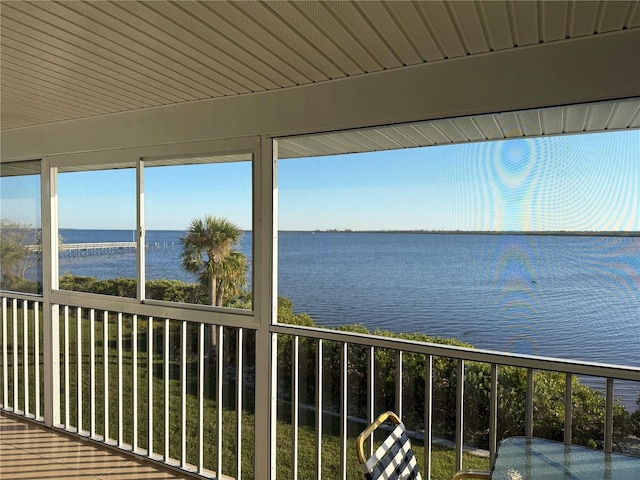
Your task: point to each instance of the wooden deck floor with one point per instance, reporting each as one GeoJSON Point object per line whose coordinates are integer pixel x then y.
{"type": "Point", "coordinates": [31, 451]}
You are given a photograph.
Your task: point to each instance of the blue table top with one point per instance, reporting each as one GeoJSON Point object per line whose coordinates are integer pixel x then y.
{"type": "Point", "coordinates": [519, 458]}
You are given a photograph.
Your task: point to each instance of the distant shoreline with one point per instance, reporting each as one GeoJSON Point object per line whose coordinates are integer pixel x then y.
{"type": "Point", "coordinates": [483, 232]}
{"type": "Point", "coordinates": [556, 233]}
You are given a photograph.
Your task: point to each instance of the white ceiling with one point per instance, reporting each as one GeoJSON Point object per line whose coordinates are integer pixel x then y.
{"type": "Point", "coordinates": [71, 60]}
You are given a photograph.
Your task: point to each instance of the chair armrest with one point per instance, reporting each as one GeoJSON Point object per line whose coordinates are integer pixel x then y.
{"type": "Point", "coordinates": [478, 474]}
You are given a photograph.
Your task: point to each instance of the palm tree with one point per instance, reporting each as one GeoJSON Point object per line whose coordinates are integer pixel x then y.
{"type": "Point", "coordinates": [208, 252]}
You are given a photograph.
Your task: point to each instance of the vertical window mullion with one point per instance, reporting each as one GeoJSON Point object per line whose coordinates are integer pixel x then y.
{"type": "Point", "coordinates": [140, 229]}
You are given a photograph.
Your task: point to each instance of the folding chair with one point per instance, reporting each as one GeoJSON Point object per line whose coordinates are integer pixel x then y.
{"type": "Point", "coordinates": [394, 459]}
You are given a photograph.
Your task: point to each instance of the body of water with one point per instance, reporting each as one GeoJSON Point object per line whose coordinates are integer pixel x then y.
{"type": "Point", "coordinates": [564, 296]}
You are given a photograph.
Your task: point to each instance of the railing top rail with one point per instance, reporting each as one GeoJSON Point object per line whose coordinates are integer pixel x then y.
{"type": "Point", "coordinates": [230, 317]}
{"type": "Point", "coordinates": [622, 372]}
{"type": "Point", "coordinates": [36, 297]}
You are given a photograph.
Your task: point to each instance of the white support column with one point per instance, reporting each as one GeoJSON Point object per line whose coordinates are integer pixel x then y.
{"type": "Point", "coordinates": [265, 304]}
{"type": "Point", "coordinates": [50, 312]}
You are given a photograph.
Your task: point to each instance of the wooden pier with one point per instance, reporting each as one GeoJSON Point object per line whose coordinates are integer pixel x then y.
{"type": "Point", "coordinates": [97, 248]}
{"type": "Point", "coordinates": [106, 248]}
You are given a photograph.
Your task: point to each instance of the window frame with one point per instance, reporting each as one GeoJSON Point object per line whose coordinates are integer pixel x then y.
{"type": "Point", "coordinates": [103, 160]}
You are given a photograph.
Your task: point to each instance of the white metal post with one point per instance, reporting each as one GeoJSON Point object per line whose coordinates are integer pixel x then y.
{"type": "Point", "coordinates": [50, 312]}
{"type": "Point", "coordinates": [319, 410]}
{"type": "Point", "coordinates": [92, 372]}
{"type": "Point", "coordinates": [239, 399]}
{"type": "Point", "coordinates": [79, 370]}
{"type": "Point", "coordinates": [150, 387]}
{"type": "Point", "coordinates": [36, 356]}
{"type": "Point", "coordinates": [428, 414]}
{"type": "Point", "coordinates": [459, 413]}
{"type": "Point", "coordinates": [134, 383]}
{"type": "Point", "coordinates": [25, 354]}
{"type": "Point", "coordinates": [5, 357]}
{"type": "Point", "coordinates": [120, 379]}
{"type": "Point", "coordinates": [200, 398]}
{"type": "Point", "coordinates": [265, 304]}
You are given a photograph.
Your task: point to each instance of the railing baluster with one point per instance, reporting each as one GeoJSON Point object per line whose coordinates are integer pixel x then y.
{"type": "Point", "coordinates": [134, 382]}
{"type": "Point", "coordinates": [66, 367]}
{"type": "Point", "coordinates": [371, 393]}
{"type": "Point", "coordinates": [5, 357]}
{"type": "Point", "coordinates": [568, 408]}
{"type": "Point", "coordinates": [428, 414]}
{"type": "Point", "coordinates": [150, 375]}
{"type": "Point", "coordinates": [120, 381]}
{"type": "Point", "coordinates": [493, 414]}
{"type": "Point", "coordinates": [295, 398]}
{"type": "Point", "coordinates": [219, 395]}
{"type": "Point", "coordinates": [16, 379]}
{"type": "Point", "coordinates": [459, 413]}
{"type": "Point", "coordinates": [105, 370]}
{"type": "Point", "coordinates": [529, 412]}
{"type": "Point", "coordinates": [399, 384]}
{"type": "Point", "coordinates": [79, 370]}
{"type": "Point", "coordinates": [25, 354]}
{"type": "Point", "coordinates": [200, 398]}
{"type": "Point", "coordinates": [608, 418]}
{"type": "Point", "coordinates": [319, 409]}
{"type": "Point", "coordinates": [165, 355]}
{"type": "Point", "coordinates": [36, 356]}
{"type": "Point", "coordinates": [92, 373]}
{"type": "Point", "coordinates": [183, 393]}
{"type": "Point", "coordinates": [344, 360]}
{"type": "Point", "coordinates": [239, 399]}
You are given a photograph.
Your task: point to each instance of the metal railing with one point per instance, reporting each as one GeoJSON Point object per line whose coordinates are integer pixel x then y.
{"type": "Point", "coordinates": [182, 392]}
{"type": "Point", "coordinates": [22, 377]}
{"type": "Point", "coordinates": [368, 347]}
{"type": "Point", "coordinates": [170, 390]}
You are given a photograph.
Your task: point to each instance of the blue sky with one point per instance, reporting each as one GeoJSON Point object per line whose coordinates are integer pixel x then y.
{"type": "Point", "coordinates": [575, 182]}
{"type": "Point", "coordinates": [578, 182]}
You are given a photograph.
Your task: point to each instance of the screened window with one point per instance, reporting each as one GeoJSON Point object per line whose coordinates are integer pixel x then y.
{"type": "Point", "coordinates": [524, 245]}
{"type": "Point", "coordinates": [97, 231]}
{"type": "Point", "coordinates": [20, 228]}
{"type": "Point", "coordinates": [198, 218]}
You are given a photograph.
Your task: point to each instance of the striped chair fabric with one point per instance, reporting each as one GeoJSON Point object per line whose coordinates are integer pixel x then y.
{"type": "Point", "coordinates": [394, 459]}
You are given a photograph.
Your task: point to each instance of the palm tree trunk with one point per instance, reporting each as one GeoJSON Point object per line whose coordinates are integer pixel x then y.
{"type": "Point", "coordinates": [212, 291]}
{"type": "Point", "coordinates": [219, 297]}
